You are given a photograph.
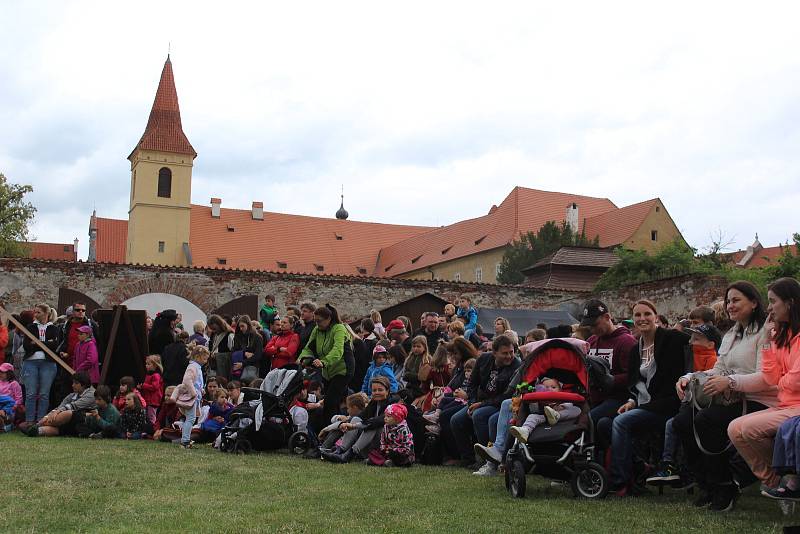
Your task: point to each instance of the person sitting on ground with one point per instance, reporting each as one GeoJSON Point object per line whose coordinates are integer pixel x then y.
{"type": "Point", "coordinates": [235, 395]}
{"type": "Point", "coordinates": [282, 348]}
{"type": "Point", "coordinates": [487, 390]}
{"type": "Point", "coordinates": [62, 421]}
{"type": "Point", "coordinates": [11, 388]}
{"type": "Point", "coordinates": [354, 405]}
{"type": "Point", "coordinates": [419, 359]}
{"type": "Point", "coordinates": [360, 438]}
{"type": "Point", "coordinates": [220, 346]}
{"type": "Point", "coordinates": [396, 447]}
{"type": "Point", "coordinates": [552, 412]}
{"type": "Point", "coordinates": [127, 385]}
{"type": "Point", "coordinates": [379, 367]}
{"type": "Point", "coordinates": [434, 378]}
{"type": "Point", "coordinates": [103, 421]}
{"type": "Point", "coordinates": [396, 357]}
{"type": "Point", "coordinates": [153, 386]}
{"type": "Point", "coordinates": [454, 398]}
{"type": "Point", "coordinates": [218, 415]}
{"type": "Point", "coordinates": [133, 419]}
{"type": "Point", "coordinates": [168, 414]}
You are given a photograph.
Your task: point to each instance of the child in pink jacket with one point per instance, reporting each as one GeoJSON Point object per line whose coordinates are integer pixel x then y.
{"type": "Point", "coordinates": [86, 357]}
{"type": "Point", "coordinates": [153, 386]}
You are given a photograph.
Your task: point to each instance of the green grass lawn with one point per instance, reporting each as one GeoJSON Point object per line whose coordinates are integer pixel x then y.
{"type": "Point", "coordinates": [72, 485]}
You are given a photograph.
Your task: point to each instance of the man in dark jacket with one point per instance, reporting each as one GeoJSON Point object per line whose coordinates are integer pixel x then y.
{"type": "Point", "coordinates": [307, 324]}
{"type": "Point", "coordinates": [487, 390]}
{"type": "Point", "coordinates": [430, 330]}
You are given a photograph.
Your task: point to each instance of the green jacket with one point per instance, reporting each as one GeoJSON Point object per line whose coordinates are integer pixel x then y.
{"type": "Point", "coordinates": [328, 347]}
{"type": "Point", "coordinates": [109, 418]}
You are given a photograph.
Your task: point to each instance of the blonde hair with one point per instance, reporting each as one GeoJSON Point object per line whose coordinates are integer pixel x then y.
{"type": "Point", "coordinates": [155, 359]}
{"type": "Point", "coordinates": [375, 315]}
{"type": "Point", "coordinates": [505, 323]}
{"type": "Point", "coordinates": [457, 327]}
{"type": "Point", "coordinates": [197, 351]}
{"type": "Point", "coordinates": [422, 340]}
{"type": "Point", "coordinates": [449, 308]}
{"type": "Point", "coordinates": [359, 400]}
{"type": "Point", "coordinates": [199, 327]}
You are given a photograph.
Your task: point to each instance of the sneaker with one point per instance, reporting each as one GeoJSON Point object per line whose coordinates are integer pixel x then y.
{"type": "Point", "coordinates": [490, 454]}
{"type": "Point", "coordinates": [388, 463]}
{"type": "Point", "coordinates": [488, 469]}
{"type": "Point", "coordinates": [189, 445]}
{"type": "Point", "coordinates": [521, 433]}
{"type": "Point", "coordinates": [724, 499]}
{"type": "Point", "coordinates": [702, 500]}
{"type": "Point", "coordinates": [96, 435]}
{"type": "Point", "coordinates": [667, 473]}
{"type": "Point", "coordinates": [552, 415]}
{"type": "Point", "coordinates": [782, 493]}
{"type": "Point", "coordinates": [32, 431]}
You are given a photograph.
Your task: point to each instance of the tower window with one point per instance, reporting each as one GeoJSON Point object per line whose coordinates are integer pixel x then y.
{"type": "Point", "coordinates": [161, 246]}
{"type": "Point", "coordinates": [653, 235]}
{"type": "Point", "coordinates": [457, 277]}
{"type": "Point", "coordinates": [165, 183]}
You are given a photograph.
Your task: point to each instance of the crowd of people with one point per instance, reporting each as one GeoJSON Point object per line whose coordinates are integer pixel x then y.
{"type": "Point", "coordinates": [710, 400]}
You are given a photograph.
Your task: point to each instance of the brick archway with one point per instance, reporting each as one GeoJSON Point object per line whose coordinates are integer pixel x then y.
{"type": "Point", "coordinates": [199, 292]}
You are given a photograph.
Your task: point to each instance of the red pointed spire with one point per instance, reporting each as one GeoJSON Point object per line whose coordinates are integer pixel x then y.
{"type": "Point", "coordinates": [164, 131]}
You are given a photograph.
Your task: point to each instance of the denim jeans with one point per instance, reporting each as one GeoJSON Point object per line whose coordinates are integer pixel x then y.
{"type": "Point", "coordinates": [498, 426]}
{"type": "Point", "coordinates": [463, 425]}
{"type": "Point", "coordinates": [191, 417]}
{"type": "Point", "coordinates": [37, 377]}
{"type": "Point", "coordinates": [624, 429]}
{"type": "Point", "coordinates": [670, 442]}
{"type": "Point", "coordinates": [607, 408]}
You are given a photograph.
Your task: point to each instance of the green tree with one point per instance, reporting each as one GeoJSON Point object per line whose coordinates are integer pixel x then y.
{"type": "Point", "coordinates": [532, 247]}
{"type": "Point", "coordinates": [789, 262]}
{"type": "Point", "coordinates": [15, 216]}
{"type": "Point", "coordinates": [636, 266]}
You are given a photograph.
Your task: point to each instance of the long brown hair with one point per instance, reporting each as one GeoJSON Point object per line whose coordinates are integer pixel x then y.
{"type": "Point", "coordinates": [788, 290]}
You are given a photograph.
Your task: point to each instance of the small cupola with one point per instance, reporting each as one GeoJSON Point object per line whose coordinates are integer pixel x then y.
{"type": "Point", "coordinates": [342, 214]}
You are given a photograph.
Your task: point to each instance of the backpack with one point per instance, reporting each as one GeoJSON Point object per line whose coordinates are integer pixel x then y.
{"type": "Point", "coordinates": [431, 453]}
{"type": "Point", "coordinates": [600, 377]}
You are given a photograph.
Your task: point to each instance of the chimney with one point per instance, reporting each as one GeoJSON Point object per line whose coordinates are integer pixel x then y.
{"type": "Point", "coordinates": [572, 217]}
{"type": "Point", "coordinates": [258, 211]}
{"type": "Point", "coordinates": [92, 237]}
{"type": "Point", "coordinates": [215, 207]}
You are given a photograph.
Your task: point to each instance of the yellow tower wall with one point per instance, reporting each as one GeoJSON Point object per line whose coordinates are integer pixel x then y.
{"type": "Point", "coordinates": [152, 219]}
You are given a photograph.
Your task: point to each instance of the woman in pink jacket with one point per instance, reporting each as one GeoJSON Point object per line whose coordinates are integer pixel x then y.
{"type": "Point", "coordinates": [753, 434]}
{"type": "Point", "coordinates": [85, 358]}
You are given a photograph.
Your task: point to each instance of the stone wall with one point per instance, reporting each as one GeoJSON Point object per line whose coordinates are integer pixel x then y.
{"type": "Point", "coordinates": [674, 297]}
{"type": "Point", "coordinates": [26, 282]}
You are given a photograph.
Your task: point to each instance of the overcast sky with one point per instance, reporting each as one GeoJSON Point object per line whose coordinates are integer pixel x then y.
{"type": "Point", "coordinates": [427, 112]}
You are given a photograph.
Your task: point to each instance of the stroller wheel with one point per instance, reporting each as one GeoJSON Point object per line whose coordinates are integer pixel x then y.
{"type": "Point", "coordinates": [298, 443]}
{"type": "Point", "coordinates": [242, 446]}
{"type": "Point", "coordinates": [226, 445]}
{"type": "Point", "coordinates": [516, 479]}
{"type": "Point", "coordinates": [590, 481]}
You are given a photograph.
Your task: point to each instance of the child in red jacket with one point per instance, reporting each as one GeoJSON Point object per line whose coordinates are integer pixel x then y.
{"type": "Point", "coordinates": [153, 386]}
{"type": "Point", "coordinates": [127, 385]}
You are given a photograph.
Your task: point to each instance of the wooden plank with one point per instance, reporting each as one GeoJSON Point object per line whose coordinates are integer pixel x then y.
{"type": "Point", "coordinates": [24, 329]}
{"type": "Point", "coordinates": [112, 338]}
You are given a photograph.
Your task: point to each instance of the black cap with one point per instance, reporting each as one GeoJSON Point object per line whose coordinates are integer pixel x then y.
{"type": "Point", "coordinates": [592, 311]}
{"type": "Point", "coordinates": [708, 331]}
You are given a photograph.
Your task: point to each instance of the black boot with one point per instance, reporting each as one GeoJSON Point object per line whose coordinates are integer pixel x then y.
{"type": "Point", "coordinates": [338, 457]}
{"type": "Point", "coordinates": [312, 454]}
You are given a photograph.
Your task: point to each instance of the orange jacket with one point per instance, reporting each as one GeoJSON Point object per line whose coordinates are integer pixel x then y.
{"type": "Point", "coordinates": [781, 367]}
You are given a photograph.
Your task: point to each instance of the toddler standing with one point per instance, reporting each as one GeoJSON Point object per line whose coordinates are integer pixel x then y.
{"type": "Point", "coordinates": [153, 386]}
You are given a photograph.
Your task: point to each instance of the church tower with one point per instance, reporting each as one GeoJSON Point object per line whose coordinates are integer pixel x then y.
{"type": "Point", "coordinates": [161, 184]}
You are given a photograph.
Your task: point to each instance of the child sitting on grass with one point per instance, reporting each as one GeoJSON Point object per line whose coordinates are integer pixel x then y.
{"type": "Point", "coordinates": [102, 422]}
{"type": "Point", "coordinates": [168, 414]}
{"type": "Point", "coordinates": [396, 442]}
{"type": "Point", "coordinates": [553, 412]}
{"type": "Point", "coordinates": [11, 388]}
{"type": "Point", "coordinates": [153, 386]}
{"type": "Point", "coordinates": [133, 419]}
{"type": "Point", "coordinates": [355, 405]}
{"type": "Point", "coordinates": [218, 415]}
{"type": "Point", "coordinates": [127, 385]}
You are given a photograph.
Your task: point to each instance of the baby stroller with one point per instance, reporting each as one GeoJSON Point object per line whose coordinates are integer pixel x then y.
{"type": "Point", "coordinates": [266, 423]}
{"type": "Point", "coordinates": [565, 450]}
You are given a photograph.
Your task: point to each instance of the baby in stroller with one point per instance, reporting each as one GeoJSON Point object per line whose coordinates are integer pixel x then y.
{"type": "Point", "coordinates": [552, 412]}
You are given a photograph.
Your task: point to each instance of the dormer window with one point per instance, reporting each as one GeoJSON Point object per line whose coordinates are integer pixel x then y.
{"type": "Point", "coordinates": [445, 251]}
{"type": "Point", "coordinates": [222, 261]}
{"type": "Point", "coordinates": [231, 228]}
{"type": "Point", "coordinates": [282, 265]}
{"type": "Point", "coordinates": [415, 260]}
{"type": "Point", "coordinates": [480, 240]}
{"type": "Point", "coordinates": [362, 270]}
{"type": "Point", "coordinates": [319, 267]}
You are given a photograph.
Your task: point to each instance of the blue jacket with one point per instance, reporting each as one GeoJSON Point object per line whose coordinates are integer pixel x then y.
{"type": "Point", "coordinates": [383, 370]}
{"type": "Point", "coordinates": [469, 316]}
{"type": "Point", "coordinates": [7, 405]}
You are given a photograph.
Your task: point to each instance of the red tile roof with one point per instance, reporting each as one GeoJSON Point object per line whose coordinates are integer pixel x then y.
{"type": "Point", "coordinates": [591, 257]}
{"type": "Point", "coordinates": [112, 240]}
{"type": "Point", "coordinates": [52, 251]}
{"type": "Point", "coordinates": [164, 131]}
{"type": "Point", "coordinates": [762, 258]}
{"type": "Point", "coordinates": [616, 226]}
{"type": "Point", "coordinates": [522, 210]}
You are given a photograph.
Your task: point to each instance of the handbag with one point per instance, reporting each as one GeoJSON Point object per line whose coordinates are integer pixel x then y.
{"type": "Point", "coordinates": [184, 396]}
{"type": "Point", "coordinates": [700, 400]}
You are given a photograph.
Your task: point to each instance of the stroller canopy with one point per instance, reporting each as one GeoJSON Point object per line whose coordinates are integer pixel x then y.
{"type": "Point", "coordinates": [280, 383]}
{"type": "Point", "coordinates": [562, 359]}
